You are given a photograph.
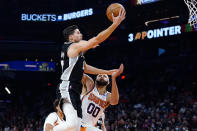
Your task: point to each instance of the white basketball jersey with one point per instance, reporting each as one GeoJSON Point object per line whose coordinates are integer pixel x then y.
{"type": "Point", "coordinates": [93, 105]}
{"type": "Point", "coordinates": [53, 119]}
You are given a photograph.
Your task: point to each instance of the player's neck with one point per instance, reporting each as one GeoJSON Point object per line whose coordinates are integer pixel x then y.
{"type": "Point", "coordinates": [101, 90]}
{"type": "Point", "coordinates": [61, 115]}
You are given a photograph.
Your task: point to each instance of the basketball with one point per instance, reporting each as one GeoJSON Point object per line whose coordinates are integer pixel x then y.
{"type": "Point", "coordinates": [113, 8]}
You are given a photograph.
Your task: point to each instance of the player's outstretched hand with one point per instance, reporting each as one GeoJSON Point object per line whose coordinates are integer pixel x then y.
{"type": "Point", "coordinates": [118, 19]}
{"type": "Point", "coordinates": [118, 72]}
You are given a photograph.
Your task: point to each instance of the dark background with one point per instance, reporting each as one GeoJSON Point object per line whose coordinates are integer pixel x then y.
{"type": "Point", "coordinates": [144, 70]}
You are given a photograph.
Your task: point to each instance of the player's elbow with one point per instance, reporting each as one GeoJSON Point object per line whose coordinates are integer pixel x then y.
{"type": "Point", "coordinates": [115, 102]}
{"type": "Point", "coordinates": [95, 42]}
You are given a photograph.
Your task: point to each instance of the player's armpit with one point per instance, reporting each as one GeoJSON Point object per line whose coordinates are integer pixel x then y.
{"type": "Point", "coordinates": [83, 80]}
{"type": "Point", "coordinates": [89, 83]}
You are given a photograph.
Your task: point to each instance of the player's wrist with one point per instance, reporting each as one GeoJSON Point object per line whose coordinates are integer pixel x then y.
{"type": "Point", "coordinates": [113, 77]}
{"type": "Point", "coordinates": [115, 24]}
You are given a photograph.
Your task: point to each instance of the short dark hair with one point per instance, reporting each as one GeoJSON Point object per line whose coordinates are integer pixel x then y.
{"type": "Point", "coordinates": [69, 31]}
{"type": "Point", "coordinates": [55, 104]}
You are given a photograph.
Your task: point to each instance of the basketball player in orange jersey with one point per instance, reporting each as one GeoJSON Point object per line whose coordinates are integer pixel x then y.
{"type": "Point", "coordinates": [54, 118]}
{"type": "Point", "coordinates": [95, 98]}
{"type": "Point", "coordinates": [73, 66]}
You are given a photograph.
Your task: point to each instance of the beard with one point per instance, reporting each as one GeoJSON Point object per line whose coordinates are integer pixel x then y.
{"type": "Point", "coordinates": [101, 83]}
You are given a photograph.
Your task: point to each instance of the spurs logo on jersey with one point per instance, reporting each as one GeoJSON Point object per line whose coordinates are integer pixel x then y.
{"type": "Point", "coordinates": [93, 105]}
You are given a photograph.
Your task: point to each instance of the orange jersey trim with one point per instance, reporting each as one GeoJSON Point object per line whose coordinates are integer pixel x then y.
{"type": "Point", "coordinates": [83, 128]}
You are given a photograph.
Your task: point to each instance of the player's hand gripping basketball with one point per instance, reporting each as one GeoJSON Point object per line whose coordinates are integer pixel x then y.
{"type": "Point", "coordinates": [118, 19]}
{"type": "Point", "coordinates": [118, 72]}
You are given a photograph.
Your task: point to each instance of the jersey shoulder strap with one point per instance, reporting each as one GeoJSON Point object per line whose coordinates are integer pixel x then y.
{"type": "Point", "coordinates": [65, 46]}
{"type": "Point", "coordinates": [64, 50]}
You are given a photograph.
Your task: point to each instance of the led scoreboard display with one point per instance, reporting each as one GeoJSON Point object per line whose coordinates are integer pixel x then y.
{"type": "Point", "coordinates": [161, 32]}
{"type": "Point", "coordinates": [56, 17]}
{"type": "Point", "coordinates": [28, 66]}
{"type": "Point", "coordinates": [141, 2]}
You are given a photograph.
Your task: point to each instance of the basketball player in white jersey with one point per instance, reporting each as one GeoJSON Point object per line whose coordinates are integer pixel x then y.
{"type": "Point", "coordinates": [96, 98]}
{"type": "Point", "coordinates": [74, 65]}
{"type": "Point", "coordinates": [54, 118]}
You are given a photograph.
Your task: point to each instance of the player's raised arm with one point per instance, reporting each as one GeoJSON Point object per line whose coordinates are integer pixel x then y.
{"type": "Point", "coordinates": [113, 98]}
{"type": "Point", "coordinates": [116, 21]}
{"type": "Point", "coordinates": [87, 83]}
{"type": "Point", "coordinates": [93, 70]}
{"type": "Point", "coordinates": [82, 45]}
